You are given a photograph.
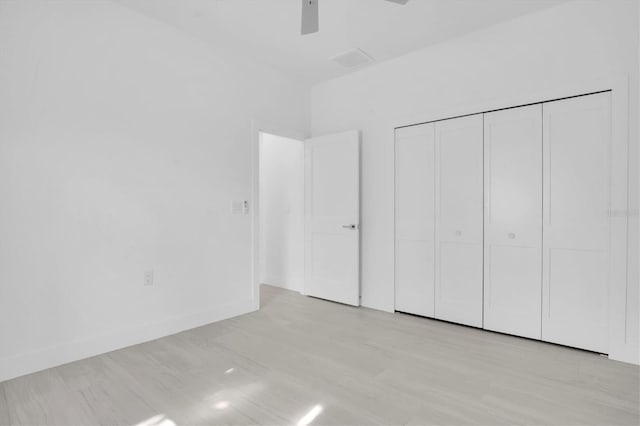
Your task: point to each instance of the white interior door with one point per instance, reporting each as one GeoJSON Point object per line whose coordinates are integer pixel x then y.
{"type": "Point", "coordinates": [332, 217]}
{"type": "Point", "coordinates": [459, 223]}
{"type": "Point", "coordinates": [415, 219]}
{"type": "Point", "coordinates": [576, 176]}
{"type": "Point", "coordinates": [513, 221]}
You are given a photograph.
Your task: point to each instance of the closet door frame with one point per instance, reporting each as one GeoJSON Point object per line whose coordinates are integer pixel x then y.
{"type": "Point", "coordinates": [624, 336]}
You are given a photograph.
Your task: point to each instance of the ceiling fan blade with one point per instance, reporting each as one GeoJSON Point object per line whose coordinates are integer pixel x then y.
{"type": "Point", "coordinates": [309, 16]}
{"type": "Point", "coordinates": [399, 1]}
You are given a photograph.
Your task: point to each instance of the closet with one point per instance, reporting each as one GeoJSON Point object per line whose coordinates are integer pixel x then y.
{"type": "Point", "coordinates": [502, 220]}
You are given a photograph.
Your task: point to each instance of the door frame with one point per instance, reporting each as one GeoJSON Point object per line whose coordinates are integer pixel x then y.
{"type": "Point", "coordinates": [622, 345]}
{"type": "Point", "coordinates": [257, 128]}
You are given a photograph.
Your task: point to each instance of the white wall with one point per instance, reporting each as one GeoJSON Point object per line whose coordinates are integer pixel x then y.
{"type": "Point", "coordinates": [580, 40]}
{"type": "Point", "coordinates": [281, 211]}
{"type": "Point", "coordinates": [122, 144]}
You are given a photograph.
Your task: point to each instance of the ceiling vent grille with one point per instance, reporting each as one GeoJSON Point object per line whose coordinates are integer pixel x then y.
{"type": "Point", "coordinates": [352, 58]}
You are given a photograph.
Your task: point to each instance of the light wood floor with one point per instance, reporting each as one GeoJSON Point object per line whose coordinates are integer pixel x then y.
{"type": "Point", "coordinates": [300, 356]}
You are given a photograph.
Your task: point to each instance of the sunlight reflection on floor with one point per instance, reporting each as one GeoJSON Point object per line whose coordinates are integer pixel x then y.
{"type": "Point", "coordinates": [221, 405]}
{"type": "Point", "coordinates": [159, 420]}
{"type": "Point", "coordinates": [310, 416]}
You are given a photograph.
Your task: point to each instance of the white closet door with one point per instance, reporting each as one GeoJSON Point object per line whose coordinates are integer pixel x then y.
{"type": "Point", "coordinates": [459, 220]}
{"type": "Point", "coordinates": [513, 221]}
{"type": "Point", "coordinates": [576, 175]}
{"type": "Point", "coordinates": [415, 220]}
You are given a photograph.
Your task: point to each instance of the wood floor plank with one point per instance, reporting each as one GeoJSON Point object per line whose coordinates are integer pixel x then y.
{"type": "Point", "coordinates": [44, 398]}
{"type": "Point", "coordinates": [299, 356]}
{"type": "Point", "coordinates": [5, 419]}
{"type": "Point", "coordinates": [107, 397]}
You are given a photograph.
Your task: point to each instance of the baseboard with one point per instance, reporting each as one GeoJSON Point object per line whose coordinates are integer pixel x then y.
{"type": "Point", "coordinates": [272, 279]}
{"type": "Point", "coordinates": [278, 281]}
{"type": "Point", "coordinates": [41, 359]}
{"type": "Point", "coordinates": [282, 285]}
{"type": "Point", "coordinates": [628, 353]}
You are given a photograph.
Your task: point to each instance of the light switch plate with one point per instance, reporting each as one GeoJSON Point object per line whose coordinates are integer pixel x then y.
{"type": "Point", "coordinates": [239, 207]}
{"type": "Point", "coordinates": [236, 207]}
{"type": "Point", "coordinates": [148, 278]}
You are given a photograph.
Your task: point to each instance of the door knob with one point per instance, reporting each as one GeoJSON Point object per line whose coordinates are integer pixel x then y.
{"type": "Point", "coordinates": [351, 226]}
{"type": "Point", "coordinates": [511, 235]}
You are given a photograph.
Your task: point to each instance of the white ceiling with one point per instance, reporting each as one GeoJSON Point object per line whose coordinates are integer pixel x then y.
{"type": "Point", "coordinates": [269, 30]}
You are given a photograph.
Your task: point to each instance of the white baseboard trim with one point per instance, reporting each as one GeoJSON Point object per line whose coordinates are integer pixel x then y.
{"type": "Point", "coordinates": [272, 279]}
{"type": "Point", "coordinates": [41, 359]}
{"type": "Point", "coordinates": [281, 284]}
{"type": "Point", "coordinates": [628, 353]}
{"type": "Point", "coordinates": [278, 281]}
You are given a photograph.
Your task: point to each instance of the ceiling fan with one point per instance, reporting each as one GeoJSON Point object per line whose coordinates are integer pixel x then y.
{"type": "Point", "coordinates": [310, 15]}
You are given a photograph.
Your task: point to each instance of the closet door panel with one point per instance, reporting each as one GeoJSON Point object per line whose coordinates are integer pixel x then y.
{"type": "Point", "coordinates": [513, 221]}
{"type": "Point", "coordinates": [459, 274]}
{"type": "Point", "coordinates": [577, 155]}
{"type": "Point", "coordinates": [459, 220]}
{"type": "Point", "coordinates": [414, 288]}
{"type": "Point", "coordinates": [512, 295]}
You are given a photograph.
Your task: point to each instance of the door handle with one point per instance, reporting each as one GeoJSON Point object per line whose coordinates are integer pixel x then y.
{"type": "Point", "coordinates": [351, 226]}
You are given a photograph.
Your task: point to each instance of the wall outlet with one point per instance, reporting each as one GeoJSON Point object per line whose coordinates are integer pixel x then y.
{"type": "Point", "coordinates": [148, 278]}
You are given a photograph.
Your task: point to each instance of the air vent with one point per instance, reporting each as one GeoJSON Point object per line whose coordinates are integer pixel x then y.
{"type": "Point", "coordinates": [352, 58]}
